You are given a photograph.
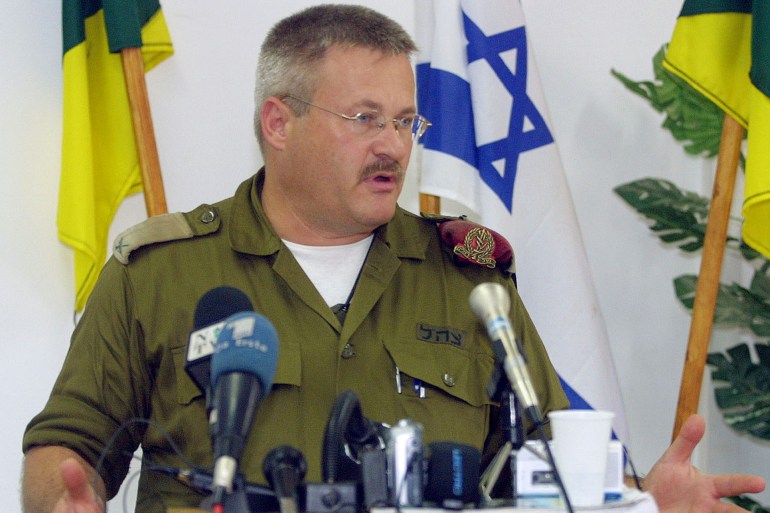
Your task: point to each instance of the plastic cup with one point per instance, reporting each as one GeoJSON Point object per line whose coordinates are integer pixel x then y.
{"type": "Point", "coordinates": [580, 440]}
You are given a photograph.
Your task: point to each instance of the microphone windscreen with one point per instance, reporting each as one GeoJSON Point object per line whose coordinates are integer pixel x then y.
{"type": "Point", "coordinates": [248, 343]}
{"type": "Point", "coordinates": [487, 299]}
{"type": "Point", "coordinates": [220, 303]}
{"type": "Point", "coordinates": [284, 468]}
{"type": "Point", "coordinates": [453, 473]}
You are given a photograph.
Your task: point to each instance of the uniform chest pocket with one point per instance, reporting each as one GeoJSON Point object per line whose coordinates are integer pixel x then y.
{"type": "Point", "coordinates": [186, 389]}
{"type": "Point", "coordinates": [289, 372]}
{"type": "Point", "coordinates": [444, 388]}
{"type": "Point", "coordinates": [458, 372]}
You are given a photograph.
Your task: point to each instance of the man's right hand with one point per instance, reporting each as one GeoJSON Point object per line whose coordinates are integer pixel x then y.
{"type": "Point", "coordinates": [57, 480]}
{"type": "Point", "coordinates": [79, 495]}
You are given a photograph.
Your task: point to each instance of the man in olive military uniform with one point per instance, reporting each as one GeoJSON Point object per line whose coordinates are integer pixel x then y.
{"type": "Point", "coordinates": [316, 231]}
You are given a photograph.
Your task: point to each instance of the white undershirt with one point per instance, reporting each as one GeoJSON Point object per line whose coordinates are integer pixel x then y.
{"type": "Point", "coordinates": [332, 269]}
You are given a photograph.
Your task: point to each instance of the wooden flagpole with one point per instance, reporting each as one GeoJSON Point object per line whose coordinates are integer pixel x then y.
{"type": "Point", "coordinates": [430, 204]}
{"type": "Point", "coordinates": [707, 288]}
{"type": "Point", "coordinates": [149, 162]}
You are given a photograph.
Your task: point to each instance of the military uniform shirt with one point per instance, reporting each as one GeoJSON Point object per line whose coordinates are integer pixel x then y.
{"type": "Point", "coordinates": [409, 311]}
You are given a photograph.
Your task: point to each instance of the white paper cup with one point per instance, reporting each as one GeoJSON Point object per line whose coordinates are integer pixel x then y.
{"type": "Point", "coordinates": [580, 440]}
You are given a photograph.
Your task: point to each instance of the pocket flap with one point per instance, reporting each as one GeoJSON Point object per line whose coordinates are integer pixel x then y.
{"type": "Point", "coordinates": [461, 373]}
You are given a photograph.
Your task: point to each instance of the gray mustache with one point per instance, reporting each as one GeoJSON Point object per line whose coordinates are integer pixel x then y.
{"type": "Point", "coordinates": [389, 166]}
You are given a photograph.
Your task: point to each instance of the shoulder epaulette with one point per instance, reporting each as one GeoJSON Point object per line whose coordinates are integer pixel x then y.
{"type": "Point", "coordinates": [472, 243]}
{"type": "Point", "coordinates": [166, 227]}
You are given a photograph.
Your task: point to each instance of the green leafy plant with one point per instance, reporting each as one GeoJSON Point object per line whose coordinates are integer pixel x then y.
{"type": "Point", "coordinates": [690, 117]}
{"type": "Point", "coordinates": [745, 401]}
{"type": "Point", "coordinates": [678, 218]}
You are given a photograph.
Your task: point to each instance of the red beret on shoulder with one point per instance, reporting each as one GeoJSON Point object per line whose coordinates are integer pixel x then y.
{"type": "Point", "coordinates": [472, 243]}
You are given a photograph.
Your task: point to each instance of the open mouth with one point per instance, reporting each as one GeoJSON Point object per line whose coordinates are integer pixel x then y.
{"type": "Point", "coordinates": [383, 172]}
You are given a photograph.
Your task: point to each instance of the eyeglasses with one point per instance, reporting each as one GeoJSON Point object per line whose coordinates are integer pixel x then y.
{"type": "Point", "coordinates": [372, 122]}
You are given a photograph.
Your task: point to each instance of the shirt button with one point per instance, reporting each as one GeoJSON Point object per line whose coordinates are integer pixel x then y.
{"type": "Point", "coordinates": [208, 216]}
{"type": "Point", "coordinates": [347, 351]}
{"type": "Point", "coordinates": [449, 380]}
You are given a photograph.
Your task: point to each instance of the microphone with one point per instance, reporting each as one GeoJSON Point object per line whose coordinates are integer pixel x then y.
{"type": "Point", "coordinates": [284, 468]}
{"type": "Point", "coordinates": [213, 308]}
{"type": "Point", "coordinates": [491, 305]}
{"type": "Point", "coordinates": [453, 474]}
{"type": "Point", "coordinates": [242, 370]}
{"type": "Point", "coordinates": [346, 426]}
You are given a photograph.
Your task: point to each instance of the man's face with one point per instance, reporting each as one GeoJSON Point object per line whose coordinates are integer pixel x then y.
{"type": "Point", "coordinates": [339, 181]}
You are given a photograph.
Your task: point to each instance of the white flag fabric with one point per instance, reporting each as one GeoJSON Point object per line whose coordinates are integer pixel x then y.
{"type": "Point", "coordinates": [491, 149]}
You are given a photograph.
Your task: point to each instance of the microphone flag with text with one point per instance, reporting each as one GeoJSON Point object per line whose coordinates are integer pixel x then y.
{"type": "Point", "coordinates": [213, 309]}
{"type": "Point", "coordinates": [242, 370]}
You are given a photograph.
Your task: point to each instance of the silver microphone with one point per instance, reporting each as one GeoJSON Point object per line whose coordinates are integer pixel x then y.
{"type": "Point", "coordinates": [491, 304]}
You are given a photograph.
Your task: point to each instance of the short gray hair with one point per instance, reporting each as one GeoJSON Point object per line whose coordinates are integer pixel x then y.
{"type": "Point", "coordinates": [295, 47]}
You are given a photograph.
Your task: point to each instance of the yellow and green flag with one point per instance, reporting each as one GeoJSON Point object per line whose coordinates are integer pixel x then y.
{"type": "Point", "coordinates": [722, 48]}
{"type": "Point", "coordinates": [99, 157]}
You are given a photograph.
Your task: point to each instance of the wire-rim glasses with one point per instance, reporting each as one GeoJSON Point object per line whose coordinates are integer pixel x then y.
{"type": "Point", "coordinates": [373, 122]}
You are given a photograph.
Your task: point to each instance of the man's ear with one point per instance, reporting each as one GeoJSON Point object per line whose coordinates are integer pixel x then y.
{"type": "Point", "coordinates": [275, 116]}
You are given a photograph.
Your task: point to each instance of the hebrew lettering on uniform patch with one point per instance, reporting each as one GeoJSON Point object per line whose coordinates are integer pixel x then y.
{"type": "Point", "coordinates": [440, 334]}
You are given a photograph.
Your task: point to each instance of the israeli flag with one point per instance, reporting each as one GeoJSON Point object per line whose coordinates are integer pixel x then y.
{"type": "Point", "coordinates": [492, 150]}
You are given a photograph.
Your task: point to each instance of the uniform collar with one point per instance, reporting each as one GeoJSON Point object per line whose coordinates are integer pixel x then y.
{"type": "Point", "coordinates": [250, 231]}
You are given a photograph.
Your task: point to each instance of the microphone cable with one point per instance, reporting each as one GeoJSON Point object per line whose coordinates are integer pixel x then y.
{"type": "Point", "coordinates": [552, 462]}
{"type": "Point", "coordinates": [634, 475]}
{"type": "Point", "coordinates": [113, 439]}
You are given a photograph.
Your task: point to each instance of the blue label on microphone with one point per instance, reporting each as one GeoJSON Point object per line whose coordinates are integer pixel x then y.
{"type": "Point", "coordinates": [497, 324]}
{"type": "Point", "coordinates": [457, 472]}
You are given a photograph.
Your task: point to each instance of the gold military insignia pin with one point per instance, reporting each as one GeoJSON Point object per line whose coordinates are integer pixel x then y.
{"type": "Point", "coordinates": [478, 247]}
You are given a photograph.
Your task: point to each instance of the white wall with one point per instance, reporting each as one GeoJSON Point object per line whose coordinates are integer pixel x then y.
{"type": "Point", "coordinates": [202, 108]}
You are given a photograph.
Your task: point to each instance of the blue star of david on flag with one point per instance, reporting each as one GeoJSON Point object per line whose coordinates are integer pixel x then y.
{"type": "Point", "coordinates": [445, 99]}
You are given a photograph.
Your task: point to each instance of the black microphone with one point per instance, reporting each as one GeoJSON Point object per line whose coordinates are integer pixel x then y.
{"type": "Point", "coordinates": [213, 308]}
{"type": "Point", "coordinates": [242, 370]}
{"type": "Point", "coordinates": [346, 425]}
{"type": "Point", "coordinates": [491, 304]}
{"type": "Point", "coordinates": [453, 474]}
{"type": "Point", "coordinates": [352, 459]}
{"type": "Point", "coordinates": [284, 468]}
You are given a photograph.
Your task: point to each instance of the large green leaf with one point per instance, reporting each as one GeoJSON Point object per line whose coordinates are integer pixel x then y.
{"type": "Point", "coordinates": [678, 216]}
{"type": "Point", "coordinates": [736, 305]}
{"type": "Point", "coordinates": [745, 397]}
{"type": "Point", "coordinates": [690, 117]}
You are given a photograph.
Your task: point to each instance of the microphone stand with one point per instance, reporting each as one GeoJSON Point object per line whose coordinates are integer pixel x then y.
{"type": "Point", "coordinates": [511, 422]}
{"type": "Point", "coordinates": [513, 431]}
{"type": "Point", "coordinates": [235, 501]}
